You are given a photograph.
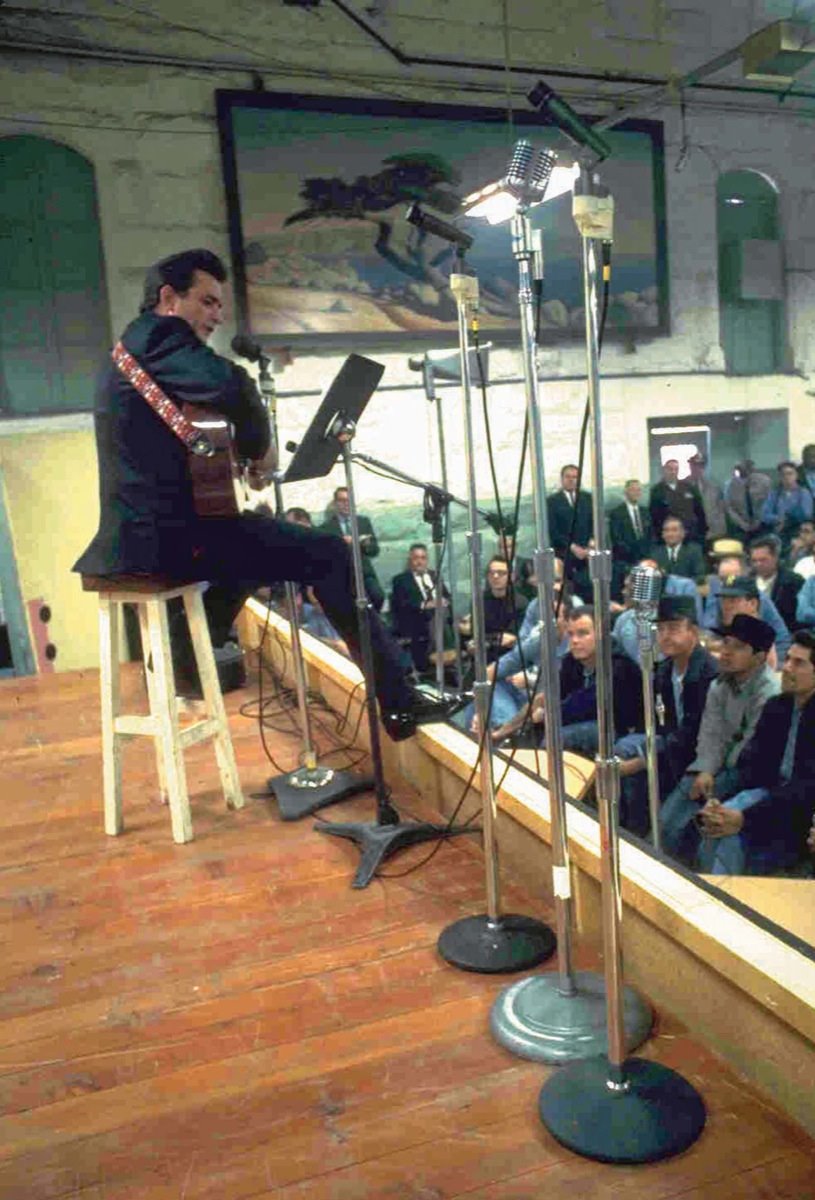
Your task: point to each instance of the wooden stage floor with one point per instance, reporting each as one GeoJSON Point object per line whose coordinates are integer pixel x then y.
{"type": "Point", "coordinates": [229, 1019]}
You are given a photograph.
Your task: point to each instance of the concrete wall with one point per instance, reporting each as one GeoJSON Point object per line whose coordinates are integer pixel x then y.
{"type": "Point", "coordinates": [151, 136]}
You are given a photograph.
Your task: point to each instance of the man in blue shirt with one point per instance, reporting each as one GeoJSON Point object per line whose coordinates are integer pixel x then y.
{"type": "Point", "coordinates": [737, 594]}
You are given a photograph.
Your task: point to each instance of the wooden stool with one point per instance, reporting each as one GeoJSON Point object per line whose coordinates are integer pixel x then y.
{"type": "Point", "coordinates": [150, 596]}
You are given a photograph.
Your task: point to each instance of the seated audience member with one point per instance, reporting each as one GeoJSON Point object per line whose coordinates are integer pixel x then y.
{"type": "Point", "coordinates": [522, 569]}
{"type": "Point", "coordinates": [676, 556]}
{"type": "Point", "coordinates": [805, 607]}
{"type": "Point", "coordinates": [763, 828]}
{"type": "Point", "coordinates": [516, 673]}
{"type": "Point", "coordinates": [739, 594]}
{"type": "Point", "coordinates": [624, 635]}
{"type": "Point", "coordinates": [779, 583]}
{"type": "Point", "coordinates": [503, 611]}
{"type": "Point", "coordinates": [338, 522]}
{"type": "Point", "coordinates": [413, 605]}
{"type": "Point", "coordinates": [578, 688]}
{"type": "Point", "coordinates": [672, 497]}
{"type": "Point", "coordinates": [681, 683]}
{"type": "Point", "coordinates": [744, 496]}
{"type": "Point", "coordinates": [732, 709]}
{"type": "Point", "coordinates": [802, 550]}
{"type": "Point", "coordinates": [629, 526]}
{"type": "Point", "coordinates": [787, 505]}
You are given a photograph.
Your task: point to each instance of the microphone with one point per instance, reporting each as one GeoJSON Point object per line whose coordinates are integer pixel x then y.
{"type": "Point", "coordinates": [542, 172]}
{"type": "Point", "coordinates": [443, 229]}
{"type": "Point", "coordinates": [246, 347]}
{"type": "Point", "coordinates": [646, 588]}
{"type": "Point", "coordinates": [519, 164]}
{"type": "Point", "coordinates": [567, 120]}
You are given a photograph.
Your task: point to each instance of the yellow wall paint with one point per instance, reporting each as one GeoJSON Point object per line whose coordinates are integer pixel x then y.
{"type": "Point", "coordinates": [53, 507]}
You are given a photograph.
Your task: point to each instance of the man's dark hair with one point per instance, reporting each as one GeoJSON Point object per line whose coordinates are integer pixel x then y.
{"type": "Point", "coordinates": [177, 270]}
{"type": "Point", "coordinates": [628, 482]}
{"type": "Point", "coordinates": [787, 463]}
{"type": "Point", "coordinates": [673, 517]}
{"type": "Point", "coordinates": [585, 610]}
{"type": "Point", "coordinates": [341, 488]}
{"type": "Point", "coordinates": [297, 514]}
{"type": "Point", "coordinates": [767, 542]}
{"type": "Point", "coordinates": [805, 638]}
{"type": "Point", "coordinates": [569, 467]}
{"type": "Point", "coordinates": [417, 546]}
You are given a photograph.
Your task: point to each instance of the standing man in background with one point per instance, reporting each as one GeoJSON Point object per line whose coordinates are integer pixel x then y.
{"type": "Point", "coordinates": [674, 498]}
{"type": "Point", "coordinates": [339, 523]}
{"type": "Point", "coordinates": [571, 528]}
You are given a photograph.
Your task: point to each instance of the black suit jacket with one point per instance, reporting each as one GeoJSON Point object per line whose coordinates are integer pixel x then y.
{"type": "Point", "coordinates": [369, 547]}
{"type": "Point", "coordinates": [683, 501]}
{"type": "Point", "coordinates": [784, 594]}
{"type": "Point", "coordinates": [690, 561]}
{"type": "Point", "coordinates": [626, 545]}
{"type": "Point", "coordinates": [408, 617]}
{"type": "Point", "coordinates": [783, 819]}
{"type": "Point", "coordinates": [579, 702]}
{"type": "Point", "coordinates": [679, 737]}
{"type": "Point", "coordinates": [147, 521]}
{"type": "Point", "coordinates": [368, 543]}
{"type": "Point", "coordinates": [560, 521]}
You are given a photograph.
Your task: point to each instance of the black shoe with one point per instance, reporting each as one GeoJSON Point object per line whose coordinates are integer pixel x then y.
{"type": "Point", "coordinates": [401, 723]}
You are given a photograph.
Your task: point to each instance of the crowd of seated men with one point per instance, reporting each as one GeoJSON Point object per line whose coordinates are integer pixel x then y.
{"type": "Point", "coordinates": [734, 682]}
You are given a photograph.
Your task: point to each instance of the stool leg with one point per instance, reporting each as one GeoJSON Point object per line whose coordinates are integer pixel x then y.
{"type": "Point", "coordinates": [150, 677]}
{"type": "Point", "coordinates": [166, 717]}
{"type": "Point", "coordinates": [109, 686]}
{"type": "Point", "coordinates": [208, 672]}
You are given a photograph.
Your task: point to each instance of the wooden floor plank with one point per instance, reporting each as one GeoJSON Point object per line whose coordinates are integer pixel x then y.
{"type": "Point", "coordinates": [229, 1019]}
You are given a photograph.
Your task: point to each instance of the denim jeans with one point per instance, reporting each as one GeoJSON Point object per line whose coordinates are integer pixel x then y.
{"type": "Point", "coordinates": [681, 837]}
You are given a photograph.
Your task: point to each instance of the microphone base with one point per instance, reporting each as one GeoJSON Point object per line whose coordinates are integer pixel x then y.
{"type": "Point", "coordinates": [534, 1019]}
{"type": "Point", "coordinates": [495, 947]}
{"type": "Point", "coordinates": [659, 1114]}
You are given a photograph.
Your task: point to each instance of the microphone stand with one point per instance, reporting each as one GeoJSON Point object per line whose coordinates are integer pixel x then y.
{"type": "Point", "coordinates": [490, 943]}
{"type": "Point", "coordinates": [610, 1107]}
{"type": "Point", "coordinates": [437, 501]}
{"type": "Point", "coordinates": [310, 787]}
{"type": "Point", "coordinates": [430, 392]}
{"type": "Point", "coordinates": [552, 1018]}
{"type": "Point", "coordinates": [646, 620]}
{"type": "Point", "coordinates": [383, 838]}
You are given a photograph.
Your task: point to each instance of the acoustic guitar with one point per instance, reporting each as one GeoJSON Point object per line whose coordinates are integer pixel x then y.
{"type": "Point", "coordinates": [223, 485]}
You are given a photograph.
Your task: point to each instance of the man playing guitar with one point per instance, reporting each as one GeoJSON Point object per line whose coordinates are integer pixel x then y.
{"type": "Point", "coordinates": [149, 523]}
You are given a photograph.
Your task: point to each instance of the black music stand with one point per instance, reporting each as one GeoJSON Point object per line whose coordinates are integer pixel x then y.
{"type": "Point", "coordinates": [328, 436]}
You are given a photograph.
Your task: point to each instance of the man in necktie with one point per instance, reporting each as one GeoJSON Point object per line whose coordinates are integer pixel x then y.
{"type": "Point", "coordinates": [676, 556]}
{"type": "Point", "coordinates": [630, 536]}
{"type": "Point", "coordinates": [413, 604]}
{"type": "Point", "coordinates": [571, 529]}
{"type": "Point", "coordinates": [338, 522]}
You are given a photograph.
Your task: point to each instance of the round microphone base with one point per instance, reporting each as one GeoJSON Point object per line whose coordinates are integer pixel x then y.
{"type": "Point", "coordinates": [534, 1019]}
{"type": "Point", "coordinates": [658, 1115]}
{"type": "Point", "coordinates": [500, 946]}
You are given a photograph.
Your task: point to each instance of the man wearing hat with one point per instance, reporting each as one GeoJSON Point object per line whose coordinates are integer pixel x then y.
{"type": "Point", "coordinates": [712, 496]}
{"type": "Point", "coordinates": [732, 709]}
{"type": "Point", "coordinates": [739, 594]}
{"type": "Point", "coordinates": [767, 825]}
{"type": "Point", "coordinates": [681, 683]}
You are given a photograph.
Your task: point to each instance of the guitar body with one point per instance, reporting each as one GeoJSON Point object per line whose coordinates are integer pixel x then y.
{"type": "Point", "coordinates": [218, 482]}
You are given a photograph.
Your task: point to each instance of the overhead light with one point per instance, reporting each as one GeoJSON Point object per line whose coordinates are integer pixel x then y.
{"type": "Point", "coordinates": [734, 200]}
{"type": "Point", "coordinates": [530, 179]}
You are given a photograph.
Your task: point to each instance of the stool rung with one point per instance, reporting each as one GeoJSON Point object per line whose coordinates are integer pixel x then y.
{"type": "Point", "coordinates": [132, 726]}
{"type": "Point", "coordinates": [199, 732]}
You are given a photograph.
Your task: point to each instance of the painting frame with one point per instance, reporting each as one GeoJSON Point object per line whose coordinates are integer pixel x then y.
{"type": "Point", "coordinates": [239, 106]}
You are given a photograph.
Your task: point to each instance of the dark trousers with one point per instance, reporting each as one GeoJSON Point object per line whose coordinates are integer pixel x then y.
{"type": "Point", "coordinates": [240, 554]}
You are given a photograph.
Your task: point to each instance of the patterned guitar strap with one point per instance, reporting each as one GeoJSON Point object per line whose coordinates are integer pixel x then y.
{"type": "Point", "coordinates": [195, 441]}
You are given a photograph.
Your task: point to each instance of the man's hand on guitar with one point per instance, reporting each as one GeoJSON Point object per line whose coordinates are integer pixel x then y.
{"type": "Point", "coordinates": [260, 470]}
